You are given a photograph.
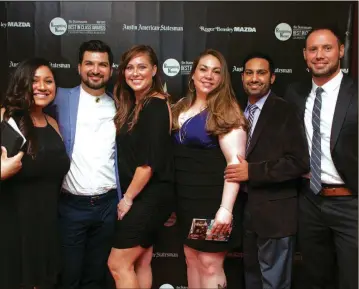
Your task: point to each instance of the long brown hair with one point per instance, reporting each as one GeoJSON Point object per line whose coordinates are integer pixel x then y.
{"type": "Point", "coordinates": [124, 95]}
{"type": "Point", "coordinates": [19, 99]}
{"type": "Point", "coordinates": [224, 113]}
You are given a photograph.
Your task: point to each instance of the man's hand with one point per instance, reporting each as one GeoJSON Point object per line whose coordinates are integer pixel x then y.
{"type": "Point", "coordinates": [237, 172]}
{"type": "Point", "coordinates": [10, 166]}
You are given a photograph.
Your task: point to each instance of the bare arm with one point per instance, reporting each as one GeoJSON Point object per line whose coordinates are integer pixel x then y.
{"type": "Point", "coordinates": [232, 144]}
{"type": "Point", "coordinates": [10, 166]}
{"type": "Point", "coordinates": [154, 127]}
{"type": "Point", "coordinates": [140, 179]}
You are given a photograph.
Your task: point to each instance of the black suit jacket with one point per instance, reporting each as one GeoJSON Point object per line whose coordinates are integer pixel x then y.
{"type": "Point", "coordinates": [344, 134]}
{"type": "Point", "coordinates": [277, 157]}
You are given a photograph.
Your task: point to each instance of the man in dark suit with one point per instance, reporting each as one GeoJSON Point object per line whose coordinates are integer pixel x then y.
{"type": "Point", "coordinates": [328, 205]}
{"type": "Point", "coordinates": [277, 155]}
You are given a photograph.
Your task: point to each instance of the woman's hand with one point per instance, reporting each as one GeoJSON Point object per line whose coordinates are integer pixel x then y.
{"type": "Point", "coordinates": [10, 166]}
{"type": "Point", "coordinates": [123, 207]}
{"type": "Point", "coordinates": [222, 222]}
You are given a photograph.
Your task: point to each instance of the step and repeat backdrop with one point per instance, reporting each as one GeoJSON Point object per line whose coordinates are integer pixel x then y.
{"type": "Point", "coordinates": [178, 31]}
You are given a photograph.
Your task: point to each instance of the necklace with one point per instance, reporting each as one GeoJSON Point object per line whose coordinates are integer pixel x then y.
{"type": "Point", "coordinates": [184, 116]}
{"type": "Point", "coordinates": [38, 121]}
{"type": "Point", "coordinates": [182, 131]}
{"type": "Point", "coordinates": [97, 100]}
{"type": "Point", "coordinates": [184, 119]}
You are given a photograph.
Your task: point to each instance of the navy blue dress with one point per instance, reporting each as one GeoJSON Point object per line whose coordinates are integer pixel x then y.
{"type": "Point", "coordinates": [199, 171]}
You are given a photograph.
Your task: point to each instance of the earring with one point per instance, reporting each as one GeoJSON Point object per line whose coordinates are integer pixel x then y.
{"type": "Point", "coordinates": [189, 86]}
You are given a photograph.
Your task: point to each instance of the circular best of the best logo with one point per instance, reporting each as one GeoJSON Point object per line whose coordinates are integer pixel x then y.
{"type": "Point", "coordinates": [58, 26]}
{"type": "Point", "coordinates": [283, 31]}
{"type": "Point", "coordinates": [171, 67]}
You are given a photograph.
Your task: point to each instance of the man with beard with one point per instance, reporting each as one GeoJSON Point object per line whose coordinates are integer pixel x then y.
{"type": "Point", "coordinates": [90, 190]}
{"type": "Point", "coordinates": [276, 156]}
{"type": "Point", "coordinates": [328, 204]}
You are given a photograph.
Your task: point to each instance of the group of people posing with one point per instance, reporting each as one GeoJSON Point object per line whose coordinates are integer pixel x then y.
{"type": "Point", "coordinates": [101, 172]}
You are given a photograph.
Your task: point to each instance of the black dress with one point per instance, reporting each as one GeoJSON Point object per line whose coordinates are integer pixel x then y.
{"type": "Point", "coordinates": [199, 172]}
{"type": "Point", "coordinates": [29, 243]}
{"type": "Point", "coordinates": [148, 143]}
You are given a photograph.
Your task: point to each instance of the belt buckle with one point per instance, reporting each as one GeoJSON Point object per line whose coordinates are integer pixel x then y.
{"type": "Point", "coordinates": [323, 193]}
{"type": "Point", "coordinates": [93, 199]}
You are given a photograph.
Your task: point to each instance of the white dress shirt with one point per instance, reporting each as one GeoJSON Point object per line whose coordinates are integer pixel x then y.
{"type": "Point", "coordinates": [92, 169]}
{"type": "Point", "coordinates": [257, 113]}
{"type": "Point", "coordinates": [329, 174]}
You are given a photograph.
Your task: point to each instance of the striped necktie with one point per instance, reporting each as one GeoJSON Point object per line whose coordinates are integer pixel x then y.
{"type": "Point", "coordinates": [316, 153]}
{"type": "Point", "coordinates": [251, 111]}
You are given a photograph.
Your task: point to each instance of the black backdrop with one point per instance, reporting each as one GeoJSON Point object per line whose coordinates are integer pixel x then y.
{"type": "Point", "coordinates": [178, 31]}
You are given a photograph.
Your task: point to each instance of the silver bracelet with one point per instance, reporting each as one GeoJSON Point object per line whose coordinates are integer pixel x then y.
{"type": "Point", "coordinates": [127, 204]}
{"type": "Point", "coordinates": [221, 206]}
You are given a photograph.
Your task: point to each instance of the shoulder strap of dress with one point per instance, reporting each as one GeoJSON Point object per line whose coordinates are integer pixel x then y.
{"type": "Point", "coordinates": [46, 119]}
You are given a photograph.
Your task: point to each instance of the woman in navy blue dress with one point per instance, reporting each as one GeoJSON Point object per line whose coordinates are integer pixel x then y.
{"type": "Point", "coordinates": [209, 133]}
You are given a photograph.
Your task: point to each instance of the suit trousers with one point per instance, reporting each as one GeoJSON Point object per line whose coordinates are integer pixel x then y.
{"type": "Point", "coordinates": [328, 239]}
{"type": "Point", "coordinates": [87, 226]}
{"type": "Point", "coordinates": [267, 261]}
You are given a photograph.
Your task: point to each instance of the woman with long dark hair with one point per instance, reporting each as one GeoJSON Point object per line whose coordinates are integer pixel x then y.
{"type": "Point", "coordinates": [143, 123]}
{"type": "Point", "coordinates": [29, 246]}
{"type": "Point", "coordinates": [209, 132]}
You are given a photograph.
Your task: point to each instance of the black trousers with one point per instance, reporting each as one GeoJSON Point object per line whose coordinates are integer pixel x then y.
{"type": "Point", "coordinates": [328, 239]}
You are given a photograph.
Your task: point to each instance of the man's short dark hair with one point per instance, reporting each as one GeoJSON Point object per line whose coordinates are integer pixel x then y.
{"type": "Point", "coordinates": [332, 29]}
{"type": "Point", "coordinates": [95, 46]}
{"type": "Point", "coordinates": [262, 56]}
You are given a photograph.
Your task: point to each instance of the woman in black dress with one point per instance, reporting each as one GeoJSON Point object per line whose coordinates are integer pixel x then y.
{"type": "Point", "coordinates": [209, 132]}
{"type": "Point", "coordinates": [29, 246]}
{"type": "Point", "coordinates": [143, 122]}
